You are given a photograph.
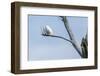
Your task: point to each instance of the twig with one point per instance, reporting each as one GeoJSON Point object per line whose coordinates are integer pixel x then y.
{"type": "Point", "coordinates": [58, 37]}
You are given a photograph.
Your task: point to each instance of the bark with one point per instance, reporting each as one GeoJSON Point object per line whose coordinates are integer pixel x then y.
{"type": "Point", "coordinates": [84, 46]}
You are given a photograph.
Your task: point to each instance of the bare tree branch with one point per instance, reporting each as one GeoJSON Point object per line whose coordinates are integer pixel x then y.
{"type": "Point", "coordinates": [47, 32]}
{"type": "Point", "coordinates": [71, 35]}
{"type": "Point", "coordinates": [59, 37]}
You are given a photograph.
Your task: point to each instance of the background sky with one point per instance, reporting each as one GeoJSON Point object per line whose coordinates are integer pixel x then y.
{"type": "Point", "coordinates": [50, 48]}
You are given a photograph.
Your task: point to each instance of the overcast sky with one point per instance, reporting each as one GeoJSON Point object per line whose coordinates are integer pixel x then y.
{"type": "Point", "coordinates": [48, 48]}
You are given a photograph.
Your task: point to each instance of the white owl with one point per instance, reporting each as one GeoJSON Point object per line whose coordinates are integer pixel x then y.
{"type": "Point", "coordinates": [47, 30]}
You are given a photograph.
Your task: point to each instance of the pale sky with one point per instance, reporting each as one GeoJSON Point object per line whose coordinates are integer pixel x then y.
{"type": "Point", "coordinates": [50, 48]}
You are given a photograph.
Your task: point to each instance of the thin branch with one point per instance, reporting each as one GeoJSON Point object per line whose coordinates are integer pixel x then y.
{"type": "Point", "coordinates": [59, 37]}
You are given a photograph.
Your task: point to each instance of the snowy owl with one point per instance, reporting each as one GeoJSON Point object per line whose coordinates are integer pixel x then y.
{"type": "Point", "coordinates": [47, 30]}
